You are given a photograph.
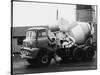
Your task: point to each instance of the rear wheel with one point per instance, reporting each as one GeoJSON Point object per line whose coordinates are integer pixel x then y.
{"type": "Point", "coordinates": [89, 53]}
{"type": "Point", "coordinates": [78, 54]}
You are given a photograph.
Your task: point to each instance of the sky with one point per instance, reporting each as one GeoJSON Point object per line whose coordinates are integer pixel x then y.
{"type": "Point", "coordinates": [37, 14]}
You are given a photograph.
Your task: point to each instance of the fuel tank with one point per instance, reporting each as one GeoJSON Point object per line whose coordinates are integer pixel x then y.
{"type": "Point", "coordinates": [80, 32]}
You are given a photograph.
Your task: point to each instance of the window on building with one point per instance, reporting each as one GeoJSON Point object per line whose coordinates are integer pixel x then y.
{"type": "Point", "coordinates": [20, 41]}
{"type": "Point", "coordinates": [84, 13]}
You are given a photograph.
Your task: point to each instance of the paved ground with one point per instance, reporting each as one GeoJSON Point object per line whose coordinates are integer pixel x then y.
{"type": "Point", "coordinates": [21, 66]}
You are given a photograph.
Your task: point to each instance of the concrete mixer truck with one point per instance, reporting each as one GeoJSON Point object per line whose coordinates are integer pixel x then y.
{"type": "Point", "coordinates": [42, 43]}
{"type": "Point", "coordinates": [83, 48]}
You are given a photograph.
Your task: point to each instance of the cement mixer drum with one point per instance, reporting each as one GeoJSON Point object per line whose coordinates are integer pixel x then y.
{"type": "Point", "coordinates": [80, 32]}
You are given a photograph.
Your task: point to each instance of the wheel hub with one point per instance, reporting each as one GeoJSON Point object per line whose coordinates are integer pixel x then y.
{"type": "Point", "coordinates": [45, 59]}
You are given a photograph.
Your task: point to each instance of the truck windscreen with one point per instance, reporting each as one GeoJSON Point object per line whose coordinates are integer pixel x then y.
{"type": "Point", "coordinates": [31, 34]}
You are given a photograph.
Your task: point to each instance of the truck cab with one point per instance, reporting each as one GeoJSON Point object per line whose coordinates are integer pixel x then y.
{"type": "Point", "coordinates": [36, 37]}
{"type": "Point", "coordinates": [35, 45]}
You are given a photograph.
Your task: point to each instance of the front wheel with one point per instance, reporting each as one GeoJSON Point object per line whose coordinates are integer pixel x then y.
{"type": "Point", "coordinates": [89, 53]}
{"type": "Point", "coordinates": [43, 58]}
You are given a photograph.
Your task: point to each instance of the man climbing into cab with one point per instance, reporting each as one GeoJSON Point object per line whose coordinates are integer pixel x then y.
{"type": "Point", "coordinates": [68, 41]}
{"type": "Point", "coordinates": [53, 45]}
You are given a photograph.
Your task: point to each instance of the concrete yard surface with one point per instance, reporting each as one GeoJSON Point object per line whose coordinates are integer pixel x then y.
{"type": "Point", "coordinates": [21, 66]}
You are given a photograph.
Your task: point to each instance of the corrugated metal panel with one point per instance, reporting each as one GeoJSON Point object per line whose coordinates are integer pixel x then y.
{"type": "Point", "coordinates": [84, 15]}
{"type": "Point", "coordinates": [19, 31]}
{"type": "Point", "coordinates": [79, 7]}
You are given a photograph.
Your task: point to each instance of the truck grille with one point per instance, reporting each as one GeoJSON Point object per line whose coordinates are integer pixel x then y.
{"type": "Point", "coordinates": [25, 52]}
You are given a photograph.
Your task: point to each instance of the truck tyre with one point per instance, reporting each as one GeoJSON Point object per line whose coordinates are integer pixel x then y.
{"type": "Point", "coordinates": [43, 58]}
{"type": "Point", "coordinates": [89, 53]}
{"type": "Point", "coordinates": [78, 54]}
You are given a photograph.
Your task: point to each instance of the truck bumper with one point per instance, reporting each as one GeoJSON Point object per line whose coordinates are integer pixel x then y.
{"type": "Point", "coordinates": [27, 53]}
{"type": "Point", "coordinates": [26, 57]}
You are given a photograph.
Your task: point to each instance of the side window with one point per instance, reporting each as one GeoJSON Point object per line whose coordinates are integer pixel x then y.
{"type": "Point", "coordinates": [42, 34]}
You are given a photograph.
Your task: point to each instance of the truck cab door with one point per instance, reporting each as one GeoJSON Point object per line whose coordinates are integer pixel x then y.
{"type": "Point", "coordinates": [42, 39]}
